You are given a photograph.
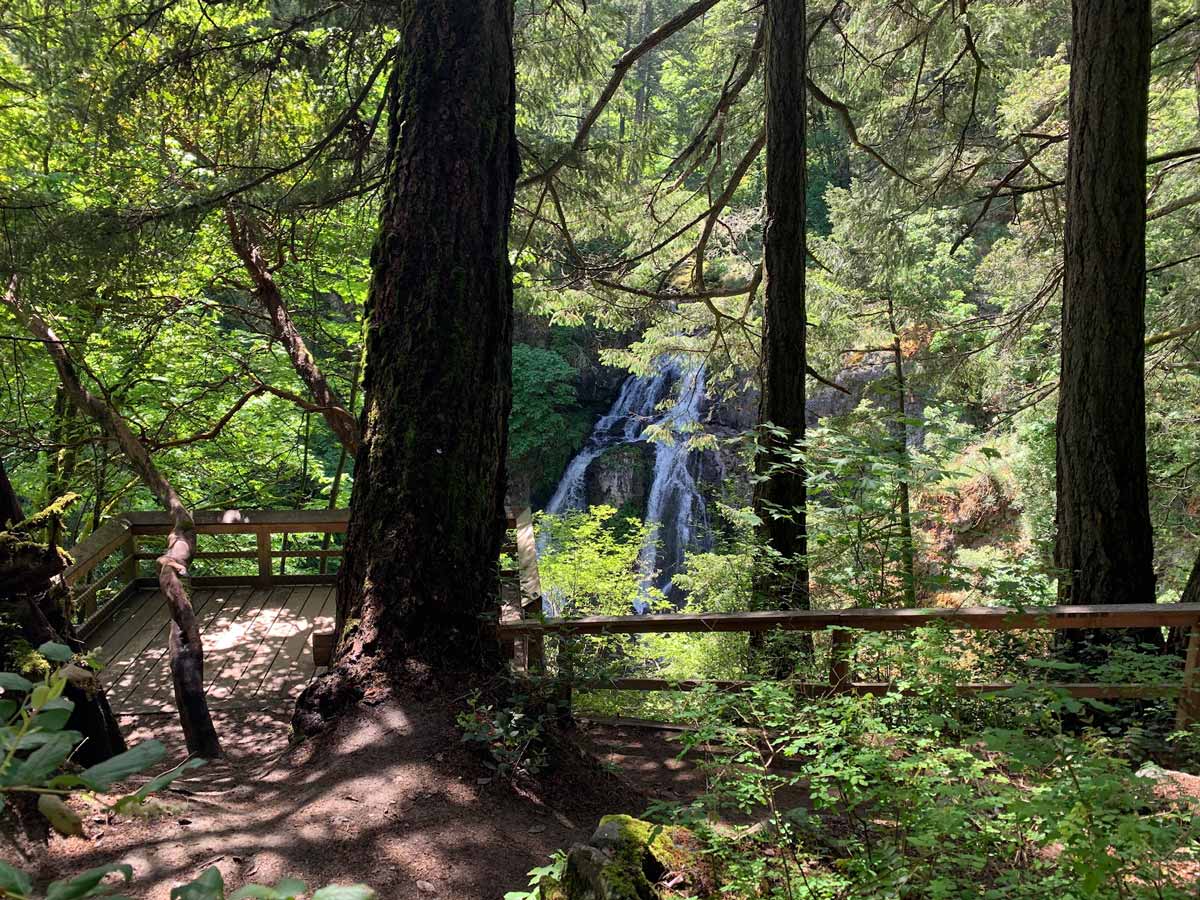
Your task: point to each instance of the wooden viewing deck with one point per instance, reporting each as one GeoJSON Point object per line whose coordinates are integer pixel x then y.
{"type": "Point", "coordinates": [257, 619]}
{"type": "Point", "coordinates": [257, 646]}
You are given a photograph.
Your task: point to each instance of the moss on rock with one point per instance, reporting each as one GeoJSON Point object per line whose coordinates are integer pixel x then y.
{"type": "Point", "coordinates": [626, 858]}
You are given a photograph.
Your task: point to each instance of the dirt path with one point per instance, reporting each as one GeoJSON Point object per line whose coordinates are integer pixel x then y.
{"type": "Point", "coordinates": [390, 797]}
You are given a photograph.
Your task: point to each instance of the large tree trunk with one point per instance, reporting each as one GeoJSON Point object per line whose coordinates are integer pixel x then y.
{"type": "Point", "coordinates": [426, 513]}
{"type": "Point", "coordinates": [186, 649]}
{"type": "Point", "coordinates": [1105, 544]}
{"type": "Point", "coordinates": [780, 498]}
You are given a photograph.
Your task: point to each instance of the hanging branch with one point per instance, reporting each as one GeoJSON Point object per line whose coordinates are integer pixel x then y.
{"type": "Point", "coordinates": [843, 113]}
{"type": "Point", "coordinates": [249, 250]}
{"type": "Point", "coordinates": [620, 69]}
{"type": "Point", "coordinates": [186, 649]}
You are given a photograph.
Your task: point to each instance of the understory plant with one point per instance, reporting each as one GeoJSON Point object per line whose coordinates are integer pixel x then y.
{"type": "Point", "coordinates": [909, 795]}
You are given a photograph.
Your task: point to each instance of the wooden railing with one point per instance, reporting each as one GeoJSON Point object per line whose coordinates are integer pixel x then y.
{"type": "Point", "coordinates": [842, 623]}
{"type": "Point", "coordinates": [123, 535]}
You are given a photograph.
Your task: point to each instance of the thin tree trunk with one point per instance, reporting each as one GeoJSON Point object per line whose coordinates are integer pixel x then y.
{"type": "Point", "coordinates": [343, 457]}
{"type": "Point", "coordinates": [908, 569]}
{"type": "Point", "coordinates": [186, 650]}
{"type": "Point", "coordinates": [1105, 545]}
{"type": "Point", "coordinates": [780, 498]}
{"type": "Point", "coordinates": [426, 513]}
{"type": "Point", "coordinates": [10, 504]}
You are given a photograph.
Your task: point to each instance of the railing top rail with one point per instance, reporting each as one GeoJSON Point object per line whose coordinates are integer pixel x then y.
{"type": "Point", "coordinates": [1134, 615]}
{"type": "Point", "coordinates": [244, 521]}
{"type": "Point", "coordinates": [95, 548]}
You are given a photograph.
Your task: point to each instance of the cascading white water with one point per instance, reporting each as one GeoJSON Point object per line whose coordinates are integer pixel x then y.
{"type": "Point", "coordinates": [675, 508]}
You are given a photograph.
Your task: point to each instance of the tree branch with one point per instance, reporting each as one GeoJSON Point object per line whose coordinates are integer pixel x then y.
{"type": "Point", "coordinates": [620, 68]}
{"type": "Point", "coordinates": [249, 250]}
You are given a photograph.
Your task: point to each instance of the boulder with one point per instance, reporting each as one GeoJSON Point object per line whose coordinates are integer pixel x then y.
{"type": "Point", "coordinates": [625, 860]}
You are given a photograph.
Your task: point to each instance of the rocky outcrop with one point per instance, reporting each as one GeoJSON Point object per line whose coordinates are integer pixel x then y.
{"type": "Point", "coordinates": [626, 859]}
{"type": "Point", "coordinates": [620, 477]}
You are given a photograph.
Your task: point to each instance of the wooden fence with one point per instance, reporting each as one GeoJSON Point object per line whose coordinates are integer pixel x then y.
{"type": "Point", "coordinates": [532, 630]}
{"type": "Point", "coordinates": [522, 629]}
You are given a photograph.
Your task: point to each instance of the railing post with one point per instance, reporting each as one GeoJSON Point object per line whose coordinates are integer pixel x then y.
{"type": "Point", "coordinates": [566, 674]}
{"type": "Point", "coordinates": [263, 537]}
{"type": "Point", "coordinates": [1188, 709]}
{"type": "Point", "coordinates": [535, 644]}
{"type": "Point", "coordinates": [129, 565]}
{"type": "Point", "coordinates": [839, 658]}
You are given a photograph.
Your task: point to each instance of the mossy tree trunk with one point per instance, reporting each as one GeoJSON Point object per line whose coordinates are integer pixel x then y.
{"type": "Point", "coordinates": [426, 513]}
{"type": "Point", "coordinates": [1104, 543]}
{"type": "Point", "coordinates": [780, 498]}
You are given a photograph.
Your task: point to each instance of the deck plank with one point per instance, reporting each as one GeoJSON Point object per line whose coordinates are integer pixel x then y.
{"type": "Point", "coordinates": [155, 658]}
{"type": "Point", "coordinates": [155, 688]}
{"type": "Point", "coordinates": [257, 643]}
{"type": "Point", "coordinates": [113, 636]}
{"type": "Point", "coordinates": [123, 672]}
{"type": "Point", "coordinates": [285, 625]}
{"type": "Point", "coordinates": [236, 599]}
{"type": "Point", "coordinates": [286, 671]}
{"type": "Point", "coordinates": [254, 650]}
{"type": "Point", "coordinates": [231, 644]}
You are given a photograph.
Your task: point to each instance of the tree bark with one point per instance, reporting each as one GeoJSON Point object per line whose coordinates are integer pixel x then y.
{"type": "Point", "coordinates": [186, 650]}
{"type": "Point", "coordinates": [341, 421]}
{"type": "Point", "coordinates": [780, 497]}
{"type": "Point", "coordinates": [1105, 545]}
{"type": "Point", "coordinates": [10, 504]}
{"type": "Point", "coordinates": [908, 567]}
{"type": "Point", "coordinates": [1191, 590]}
{"type": "Point", "coordinates": [426, 512]}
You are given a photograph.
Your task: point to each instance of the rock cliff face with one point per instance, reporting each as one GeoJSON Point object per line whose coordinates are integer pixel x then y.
{"type": "Point", "coordinates": [620, 477]}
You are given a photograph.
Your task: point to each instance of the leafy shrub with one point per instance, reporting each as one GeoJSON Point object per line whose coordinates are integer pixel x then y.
{"type": "Point", "coordinates": [899, 796]}
{"type": "Point", "coordinates": [512, 734]}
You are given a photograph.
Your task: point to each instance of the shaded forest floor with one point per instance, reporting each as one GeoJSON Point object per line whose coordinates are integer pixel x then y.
{"type": "Point", "coordinates": [390, 797]}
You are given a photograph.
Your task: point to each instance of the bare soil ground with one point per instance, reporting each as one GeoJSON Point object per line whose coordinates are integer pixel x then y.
{"type": "Point", "coordinates": [389, 797]}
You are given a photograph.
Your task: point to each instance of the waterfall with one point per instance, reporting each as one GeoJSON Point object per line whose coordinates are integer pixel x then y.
{"type": "Point", "coordinates": [675, 508]}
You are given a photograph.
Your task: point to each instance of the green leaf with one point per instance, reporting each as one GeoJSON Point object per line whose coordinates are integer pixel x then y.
{"type": "Point", "coordinates": [55, 652]}
{"type": "Point", "coordinates": [82, 885]}
{"type": "Point", "coordinates": [344, 892]}
{"type": "Point", "coordinates": [11, 681]}
{"type": "Point", "coordinates": [291, 887]}
{"type": "Point", "coordinates": [61, 817]}
{"type": "Point", "coordinates": [54, 715]}
{"type": "Point", "coordinates": [161, 781]}
{"type": "Point", "coordinates": [42, 762]}
{"type": "Point", "coordinates": [100, 776]}
{"type": "Point", "coordinates": [257, 892]}
{"type": "Point", "coordinates": [287, 889]}
{"type": "Point", "coordinates": [209, 886]}
{"type": "Point", "coordinates": [14, 881]}
{"type": "Point", "coordinates": [29, 741]}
